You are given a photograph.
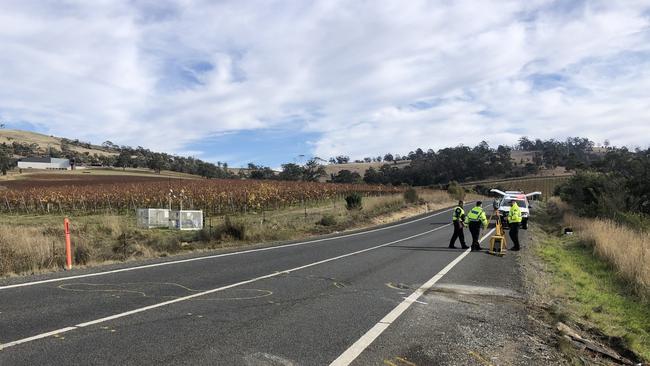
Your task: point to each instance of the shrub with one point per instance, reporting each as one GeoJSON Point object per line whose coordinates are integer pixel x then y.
{"type": "Point", "coordinates": [456, 191]}
{"type": "Point", "coordinates": [327, 220]}
{"type": "Point", "coordinates": [411, 195]}
{"type": "Point", "coordinates": [595, 194]}
{"type": "Point", "coordinates": [235, 229]}
{"type": "Point", "coordinates": [81, 254]}
{"type": "Point", "coordinates": [353, 201]}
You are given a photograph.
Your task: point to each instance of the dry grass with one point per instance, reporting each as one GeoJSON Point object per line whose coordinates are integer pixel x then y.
{"type": "Point", "coordinates": [27, 249]}
{"type": "Point", "coordinates": [627, 250]}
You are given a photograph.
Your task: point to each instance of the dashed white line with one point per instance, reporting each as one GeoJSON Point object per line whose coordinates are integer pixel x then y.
{"type": "Point", "coordinates": [360, 345]}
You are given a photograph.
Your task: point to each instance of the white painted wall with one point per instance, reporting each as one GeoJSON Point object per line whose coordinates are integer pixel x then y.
{"type": "Point", "coordinates": [55, 164]}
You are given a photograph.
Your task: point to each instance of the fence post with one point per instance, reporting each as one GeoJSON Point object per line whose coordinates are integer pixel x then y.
{"type": "Point", "coordinates": [68, 248]}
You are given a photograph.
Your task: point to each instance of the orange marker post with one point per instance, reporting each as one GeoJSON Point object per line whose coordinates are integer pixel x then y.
{"type": "Point", "coordinates": [68, 247]}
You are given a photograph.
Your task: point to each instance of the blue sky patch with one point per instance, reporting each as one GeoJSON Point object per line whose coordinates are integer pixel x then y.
{"type": "Point", "coordinates": [270, 147]}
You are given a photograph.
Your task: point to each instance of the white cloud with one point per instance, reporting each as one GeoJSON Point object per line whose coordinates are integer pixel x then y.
{"type": "Point", "coordinates": [369, 77]}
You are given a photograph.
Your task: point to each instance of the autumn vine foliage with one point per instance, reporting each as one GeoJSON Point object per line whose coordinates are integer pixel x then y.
{"type": "Point", "coordinates": [215, 196]}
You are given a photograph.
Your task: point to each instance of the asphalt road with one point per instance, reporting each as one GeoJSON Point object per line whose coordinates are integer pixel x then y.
{"type": "Point", "coordinates": [305, 303]}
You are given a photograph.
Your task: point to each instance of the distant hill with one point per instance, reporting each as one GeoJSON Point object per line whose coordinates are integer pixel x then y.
{"type": "Point", "coordinates": [44, 142]}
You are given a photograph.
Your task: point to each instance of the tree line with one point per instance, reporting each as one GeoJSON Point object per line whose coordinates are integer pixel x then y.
{"type": "Point", "coordinates": [616, 186]}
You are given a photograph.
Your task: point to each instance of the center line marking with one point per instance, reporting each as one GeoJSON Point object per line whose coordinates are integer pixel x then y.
{"type": "Point", "coordinates": [366, 340]}
{"type": "Point", "coordinates": [189, 297]}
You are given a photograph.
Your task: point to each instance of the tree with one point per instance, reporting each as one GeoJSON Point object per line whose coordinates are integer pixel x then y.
{"type": "Point", "coordinates": [342, 159]}
{"type": "Point", "coordinates": [312, 171]}
{"type": "Point", "coordinates": [6, 161]}
{"type": "Point", "coordinates": [260, 172]}
{"type": "Point", "coordinates": [525, 144]}
{"type": "Point", "coordinates": [291, 171]}
{"type": "Point", "coordinates": [388, 157]}
{"type": "Point", "coordinates": [123, 160]}
{"type": "Point", "coordinates": [346, 176]}
{"type": "Point", "coordinates": [158, 163]}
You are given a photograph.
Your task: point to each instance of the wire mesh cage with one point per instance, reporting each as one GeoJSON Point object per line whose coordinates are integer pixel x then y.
{"type": "Point", "coordinates": [186, 220]}
{"type": "Point", "coordinates": [149, 218]}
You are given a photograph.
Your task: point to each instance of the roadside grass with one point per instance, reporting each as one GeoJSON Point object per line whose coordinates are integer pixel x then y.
{"type": "Point", "coordinates": [592, 293]}
{"type": "Point", "coordinates": [626, 250]}
{"type": "Point", "coordinates": [34, 243]}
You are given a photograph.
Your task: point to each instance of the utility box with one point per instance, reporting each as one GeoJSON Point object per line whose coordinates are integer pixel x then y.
{"type": "Point", "coordinates": [186, 220]}
{"type": "Point", "coordinates": [149, 218]}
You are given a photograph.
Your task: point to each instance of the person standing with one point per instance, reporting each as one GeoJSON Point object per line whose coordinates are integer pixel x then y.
{"type": "Point", "coordinates": [458, 220]}
{"type": "Point", "coordinates": [474, 219]}
{"type": "Point", "coordinates": [514, 220]}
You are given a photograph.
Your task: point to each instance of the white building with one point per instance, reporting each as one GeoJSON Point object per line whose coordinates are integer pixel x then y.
{"type": "Point", "coordinates": [44, 163]}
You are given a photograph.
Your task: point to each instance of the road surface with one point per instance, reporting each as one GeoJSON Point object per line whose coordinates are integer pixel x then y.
{"type": "Point", "coordinates": [349, 299]}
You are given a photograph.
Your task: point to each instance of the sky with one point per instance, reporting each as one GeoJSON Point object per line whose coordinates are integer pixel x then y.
{"type": "Point", "coordinates": [271, 82]}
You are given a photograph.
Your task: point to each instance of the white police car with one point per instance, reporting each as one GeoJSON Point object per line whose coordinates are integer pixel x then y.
{"type": "Point", "coordinates": [503, 205]}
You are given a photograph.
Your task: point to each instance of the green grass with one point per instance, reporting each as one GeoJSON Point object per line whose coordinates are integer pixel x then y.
{"type": "Point", "coordinates": [593, 292]}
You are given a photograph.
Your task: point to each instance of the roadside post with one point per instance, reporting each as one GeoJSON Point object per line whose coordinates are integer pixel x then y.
{"type": "Point", "coordinates": [68, 247]}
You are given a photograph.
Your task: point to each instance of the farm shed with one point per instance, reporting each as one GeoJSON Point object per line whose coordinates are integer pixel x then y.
{"type": "Point", "coordinates": [44, 163]}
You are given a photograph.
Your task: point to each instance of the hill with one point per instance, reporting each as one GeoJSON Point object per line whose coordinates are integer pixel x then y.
{"type": "Point", "coordinates": [43, 143]}
{"type": "Point", "coordinates": [15, 144]}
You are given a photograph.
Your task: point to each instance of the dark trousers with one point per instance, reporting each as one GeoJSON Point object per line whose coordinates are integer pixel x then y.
{"type": "Point", "coordinates": [514, 234]}
{"type": "Point", "coordinates": [458, 234]}
{"type": "Point", "coordinates": [475, 229]}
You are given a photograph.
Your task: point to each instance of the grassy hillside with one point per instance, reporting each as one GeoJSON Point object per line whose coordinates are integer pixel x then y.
{"type": "Point", "coordinates": [45, 142]}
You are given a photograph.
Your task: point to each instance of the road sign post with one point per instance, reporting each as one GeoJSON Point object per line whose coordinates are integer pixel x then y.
{"type": "Point", "coordinates": [68, 246]}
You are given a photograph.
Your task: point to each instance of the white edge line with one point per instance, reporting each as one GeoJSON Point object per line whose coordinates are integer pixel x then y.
{"type": "Point", "coordinates": [366, 340]}
{"type": "Point", "coordinates": [216, 255]}
{"type": "Point", "coordinates": [185, 298]}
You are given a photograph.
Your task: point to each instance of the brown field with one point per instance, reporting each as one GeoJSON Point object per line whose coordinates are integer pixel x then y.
{"type": "Point", "coordinates": [45, 180]}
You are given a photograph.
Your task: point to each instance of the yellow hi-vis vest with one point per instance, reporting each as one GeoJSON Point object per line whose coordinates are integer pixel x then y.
{"type": "Point", "coordinates": [514, 216]}
{"type": "Point", "coordinates": [477, 214]}
{"type": "Point", "coordinates": [458, 214]}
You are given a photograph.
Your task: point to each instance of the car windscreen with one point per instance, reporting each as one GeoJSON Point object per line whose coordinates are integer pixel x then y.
{"type": "Point", "coordinates": [520, 203]}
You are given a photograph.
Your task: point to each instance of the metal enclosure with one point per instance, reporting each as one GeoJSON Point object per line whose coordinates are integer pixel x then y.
{"type": "Point", "coordinates": [149, 218]}
{"type": "Point", "coordinates": [186, 220]}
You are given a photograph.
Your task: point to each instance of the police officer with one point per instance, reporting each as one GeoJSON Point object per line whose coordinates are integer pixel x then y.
{"type": "Point", "coordinates": [458, 220]}
{"type": "Point", "coordinates": [474, 219]}
{"type": "Point", "coordinates": [514, 220]}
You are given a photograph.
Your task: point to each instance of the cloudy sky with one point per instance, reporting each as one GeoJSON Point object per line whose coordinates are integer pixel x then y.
{"type": "Point", "coordinates": [268, 81]}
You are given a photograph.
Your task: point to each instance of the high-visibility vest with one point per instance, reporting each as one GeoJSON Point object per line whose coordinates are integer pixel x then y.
{"type": "Point", "coordinates": [476, 214]}
{"type": "Point", "coordinates": [458, 214]}
{"type": "Point", "coordinates": [514, 216]}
